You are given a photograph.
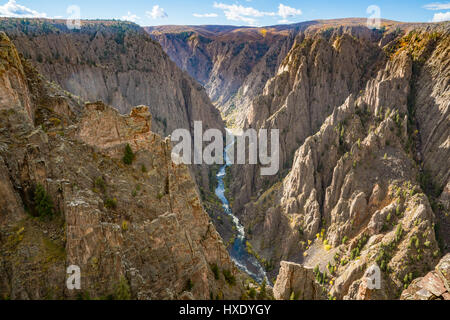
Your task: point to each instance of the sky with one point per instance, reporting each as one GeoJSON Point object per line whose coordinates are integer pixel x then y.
{"type": "Point", "coordinates": [226, 12]}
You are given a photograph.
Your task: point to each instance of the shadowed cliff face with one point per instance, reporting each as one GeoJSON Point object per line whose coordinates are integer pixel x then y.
{"type": "Point", "coordinates": [136, 231]}
{"type": "Point", "coordinates": [115, 62]}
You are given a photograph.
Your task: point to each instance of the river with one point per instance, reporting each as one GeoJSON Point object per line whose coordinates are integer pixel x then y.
{"type": "Point", "coordinates": [238, 251]}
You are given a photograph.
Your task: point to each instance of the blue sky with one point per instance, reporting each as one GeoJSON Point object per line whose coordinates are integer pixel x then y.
{"type": "Point", "coordinates": [226, 12]}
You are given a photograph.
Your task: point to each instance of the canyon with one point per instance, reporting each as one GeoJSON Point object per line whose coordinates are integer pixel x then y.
{"type": "Point", "coordinates": [365, 175]}
{"type": "Point", "coordinates": [136, 229]}
{"type": "Point", "coordinates": [364, 126]}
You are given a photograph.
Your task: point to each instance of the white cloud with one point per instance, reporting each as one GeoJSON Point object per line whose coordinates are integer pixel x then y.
{"type": "Point", "coordinates": [131, 17]}
{"type": "Point", "coordinates": [437, 6]}
{"type": "Point", "coordinates": [284, 21]}
{"type": "Point", "coordinates": [288, 12]}
{"type": "Point", "coordinates": [248, 15]}
{"type": "Point", "coordinates": [441, 16]}
{"type": "Point", "coordinates": [157, 13]}
{"type": "Point", "coordinates": [15, 10]}
{"type": "Point", "coordinates": [236, 12]}
{"type": "Point", "coordinates": [206, 15]}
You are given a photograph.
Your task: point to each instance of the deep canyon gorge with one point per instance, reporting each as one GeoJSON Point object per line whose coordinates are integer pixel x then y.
{"type": "Point", "coordinates": [87, 177]}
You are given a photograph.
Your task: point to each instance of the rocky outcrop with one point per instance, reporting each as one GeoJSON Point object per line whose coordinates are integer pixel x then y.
{"type": "Point", "coordinates": [296, 282]}
{"type": "Point", "coordinates": [433, 286]}
{"type": "Point", "coordinates": [137, 231]}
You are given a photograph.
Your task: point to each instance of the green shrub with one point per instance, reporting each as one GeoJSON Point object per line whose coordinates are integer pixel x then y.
{"type": "Point", "coordinates": [331, 269]}
{"type": "Point", "coordinates": [417, 243]}
{"type": "Point", "coordinates": [100, 184]}
{"type": "Point", "coordinates": [408, 279]}
{"type": "Point", "coordinates": [43, 203]}
{"type": "Point", "coordinates": [83, 296]}
{"type": "Point", "coordinates": [229, 278]}
{"type": "Point", "coordinates": [189, 285]}
{"type": "Point", "coordinates": [129, 155]}
{"type": "Point", "coordinates": [336, 257]}
{"type": "Point", "coordinates": [252, 293]}
{"type": "Point", "coordinates": [215, 270]}
{"type": "Point", "coordinates": [383, 257]}
{"type": "Point", "coordinates": [316, 270]}
{"type": "Point", "coordinates": [122, 291]}
{"type": "Point", "coordinates": [344, 241]}
{"type": "Point", "coordinates": [293, 296]}
{"type": "Point", "coordinates": [383, 265]}
{"type": "Point", "coordinates": [428, 185]}
{"type": "Point", "coordinates": [354, 254]}
{"type": "Point", "coordinates": [398, 233]}
{"type": "Point", "coordinates": [263, 290]}
{"type": "Point", "coordinates": [111, 203]}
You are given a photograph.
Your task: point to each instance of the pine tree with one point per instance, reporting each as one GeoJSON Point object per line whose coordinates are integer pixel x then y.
{"type": "Point", "coordinates": [42, 202]}
{"type": "Point", "coordinates": [122, 290]}
{"type": "Point", "coordinates": [129, 155]}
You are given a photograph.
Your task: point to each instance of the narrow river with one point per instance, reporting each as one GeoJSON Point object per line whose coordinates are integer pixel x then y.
{"type": "Point", "coordinates": [238, 251]}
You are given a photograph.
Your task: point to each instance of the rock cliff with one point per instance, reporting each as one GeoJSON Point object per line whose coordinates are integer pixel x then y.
{"type": "Point", "coordinates": [235, 63]}
{"type": "Point", "coordinates": [116, 62]}
{"type": "Point", "coordinates": [365, 177]}
{"type": "Point", "coordinates": [136, 228]}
